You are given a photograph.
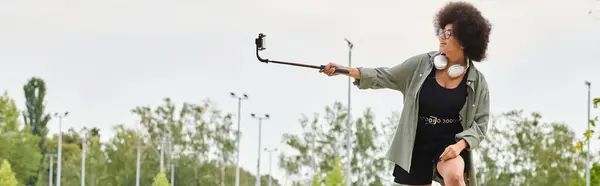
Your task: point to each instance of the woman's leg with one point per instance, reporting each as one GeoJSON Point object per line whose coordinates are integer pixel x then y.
{"type": "Point", "coordinates": [452, 171]}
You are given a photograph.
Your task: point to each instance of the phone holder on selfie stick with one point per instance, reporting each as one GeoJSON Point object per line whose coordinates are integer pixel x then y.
{"type": "Point", "coordinates": [260, 46]}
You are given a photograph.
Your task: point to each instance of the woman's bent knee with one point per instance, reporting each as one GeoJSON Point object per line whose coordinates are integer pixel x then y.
{"type": "Point", "coordinates": [454, 177]}
{"type": "Point", "coordinates": [452, 172]}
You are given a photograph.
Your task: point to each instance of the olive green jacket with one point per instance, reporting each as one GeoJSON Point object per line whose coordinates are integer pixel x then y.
{"type": "Point", "coordinates": [407, 78]}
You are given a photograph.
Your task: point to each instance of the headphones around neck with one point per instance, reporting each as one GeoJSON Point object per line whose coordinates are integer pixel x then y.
{"type": "Point", "coordinates": [440, 62]}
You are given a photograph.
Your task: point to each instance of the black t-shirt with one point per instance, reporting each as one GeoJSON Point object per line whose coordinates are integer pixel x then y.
{"type": "Point", "coordinates": [439, 109]}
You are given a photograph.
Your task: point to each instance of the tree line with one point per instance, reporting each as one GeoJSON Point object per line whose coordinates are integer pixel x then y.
{"type": "Point", "coordinates": [196, 139]}
{"type": "Point", "coordinates": [198, 143]}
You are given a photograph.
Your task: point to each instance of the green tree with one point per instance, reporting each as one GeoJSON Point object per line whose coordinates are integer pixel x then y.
{"type": "Point", "coordinates": [7, 176]}
{"type": "Point", "coordinates": [160, 180]}
{"type": "Point", "coordinates": [9, 114]}
{"type": "Point", "coordinates": [316, 145]}
{"type": "Point", "coordinates": [368, 162]}
{"type": "Point", "coordinates": [162, 128]}
{"type": "Point", "coordinates": [203, 151]}
{"type": "Point", "coordinates": [595, 174]}
{"type": "Point", "coordinates": [224, 141]}
{"type": "Point", "coordinates": [121, 152]}
{"type": "Point", "coordinates": [335, 177]}
{"type": "Point", "coordinates": [17, 143]}
{"type": "Point", "coordinates": [524, 150]}
{"type": "Point", "coordinates": [323, 139]}
{"type": "Point", "coordinates": [96, 170]}
{"type": "Point", "coordinates": [588, 134]}
{"type": "Point", "coordinates": [35, 115]}
{"type": "Point", "coordinates": [199, 138]}
{"type": "Point", "coordinates": [21, 148]}
{"type": "Point", "coordinates": [71, 159]}
{"type": "Point", "coordinates": [316, 180]}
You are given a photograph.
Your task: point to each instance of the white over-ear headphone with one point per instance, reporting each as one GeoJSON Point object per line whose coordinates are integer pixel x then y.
{"type": "Point", "coordinates": [440, 62]}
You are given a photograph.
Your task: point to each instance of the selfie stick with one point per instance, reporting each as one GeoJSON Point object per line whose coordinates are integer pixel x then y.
{"type": "Point", "coordinates": [260, 46]}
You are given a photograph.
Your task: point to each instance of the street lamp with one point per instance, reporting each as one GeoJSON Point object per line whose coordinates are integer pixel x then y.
{"type": "Point", "coordinates": [348, 128]}
{"type": "Point", "coordinates": [587, 159]}
{"type": "Point", "coordinates": [260, 118]}
{"type": "Point", "coordinates": [58, 169]}
{"type": "Point", "coordinates": [270, 151]}
{"type": "Point", "coordinates": [50, 166]}
{"type": "Point", "coordinates": [237, 136]}
{"type": "Point", "coordinates": [163, 147]}
{"type": "Point", "coordinates": [137, 166]}
{"type": "Point", "coordinates": [138, 147]}
{"type": "Point", "coordinates": [84, 147]}
{"type": "Point", "coordinates": [162, 154]}
{"type": "Point", "coordinates": [173, 165]}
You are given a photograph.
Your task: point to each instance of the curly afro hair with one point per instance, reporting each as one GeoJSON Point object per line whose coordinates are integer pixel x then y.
{"type": "Point", "coordinates": [471, 29]}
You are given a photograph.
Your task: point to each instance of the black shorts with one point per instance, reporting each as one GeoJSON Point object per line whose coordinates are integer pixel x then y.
{"type": "Point", "coordinates": [424, 158]}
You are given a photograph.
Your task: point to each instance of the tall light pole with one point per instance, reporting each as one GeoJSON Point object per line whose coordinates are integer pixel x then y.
{"type": "Point", "coordinates": [84, 147]}
{"type": "Point", "coordinates": [50, 175]}
{"type": "Point", "coordinates": [163, 147]}
{"type": "Point", "coordinates": [173, 165]}
{"type": "Point", "coordinates": [223, 174]}
{"type": "Point", "coordinates": [224, 162]}
{"type": "Point", "coordinates": [237, 136]}
{"type": "Point", "coordinates": [587, 159]}
{"type": "Point", "coordinates": [270, 151]}
{"type": "Point", "coordinates": [58, 169]}
{"type": "Point", "coordinates": [137, 166]}
{"type": "Point", "coordinates": [260, 118]}
{"type": "Point", "coordinates": [139, 154]}
{"type": "Point", "coordinates": [162, 154]}
{"type": "Point", "coordinates": [348, 127]}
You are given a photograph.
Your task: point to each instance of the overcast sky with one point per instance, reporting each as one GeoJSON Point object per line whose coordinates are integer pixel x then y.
{"type": "Point", "coordinates": [102, 58]}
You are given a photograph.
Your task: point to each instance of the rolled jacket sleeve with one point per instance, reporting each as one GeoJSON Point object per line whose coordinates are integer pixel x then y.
{"type": "Point", "coordinates": [476, 133]}
{"type": "Point", "coordinates": [397, 77]}
{"type": "Point", "coordinates": [376, 78]}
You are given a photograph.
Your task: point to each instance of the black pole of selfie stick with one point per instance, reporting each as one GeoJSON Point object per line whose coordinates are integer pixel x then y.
{"type": "Point", "coordinates": [260, 47]}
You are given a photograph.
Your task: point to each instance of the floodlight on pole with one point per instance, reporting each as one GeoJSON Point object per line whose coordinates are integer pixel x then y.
{"type": "Point", "coordinates": [58, 169]}
{"type": "Point", "coordinates": [83, 154]}
{"type": "Point", "coordinates": [237, 136]}
{"type": "Point", "coordinates": [260, 118]}
{"type": "Point", "coordinates": [173, 165]}
{"type": "Point", "coordinates": [587, 158]}
{"type": "Point", "coordinates": [349, 118]}
{"type": "Point", "coordinates": [270, 151]}
{"type": "Point", "coordinates": [50, 167]}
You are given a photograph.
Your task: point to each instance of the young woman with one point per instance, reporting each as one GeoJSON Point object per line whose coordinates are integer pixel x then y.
{"type": "Point", "coordinates": [446, 100]}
